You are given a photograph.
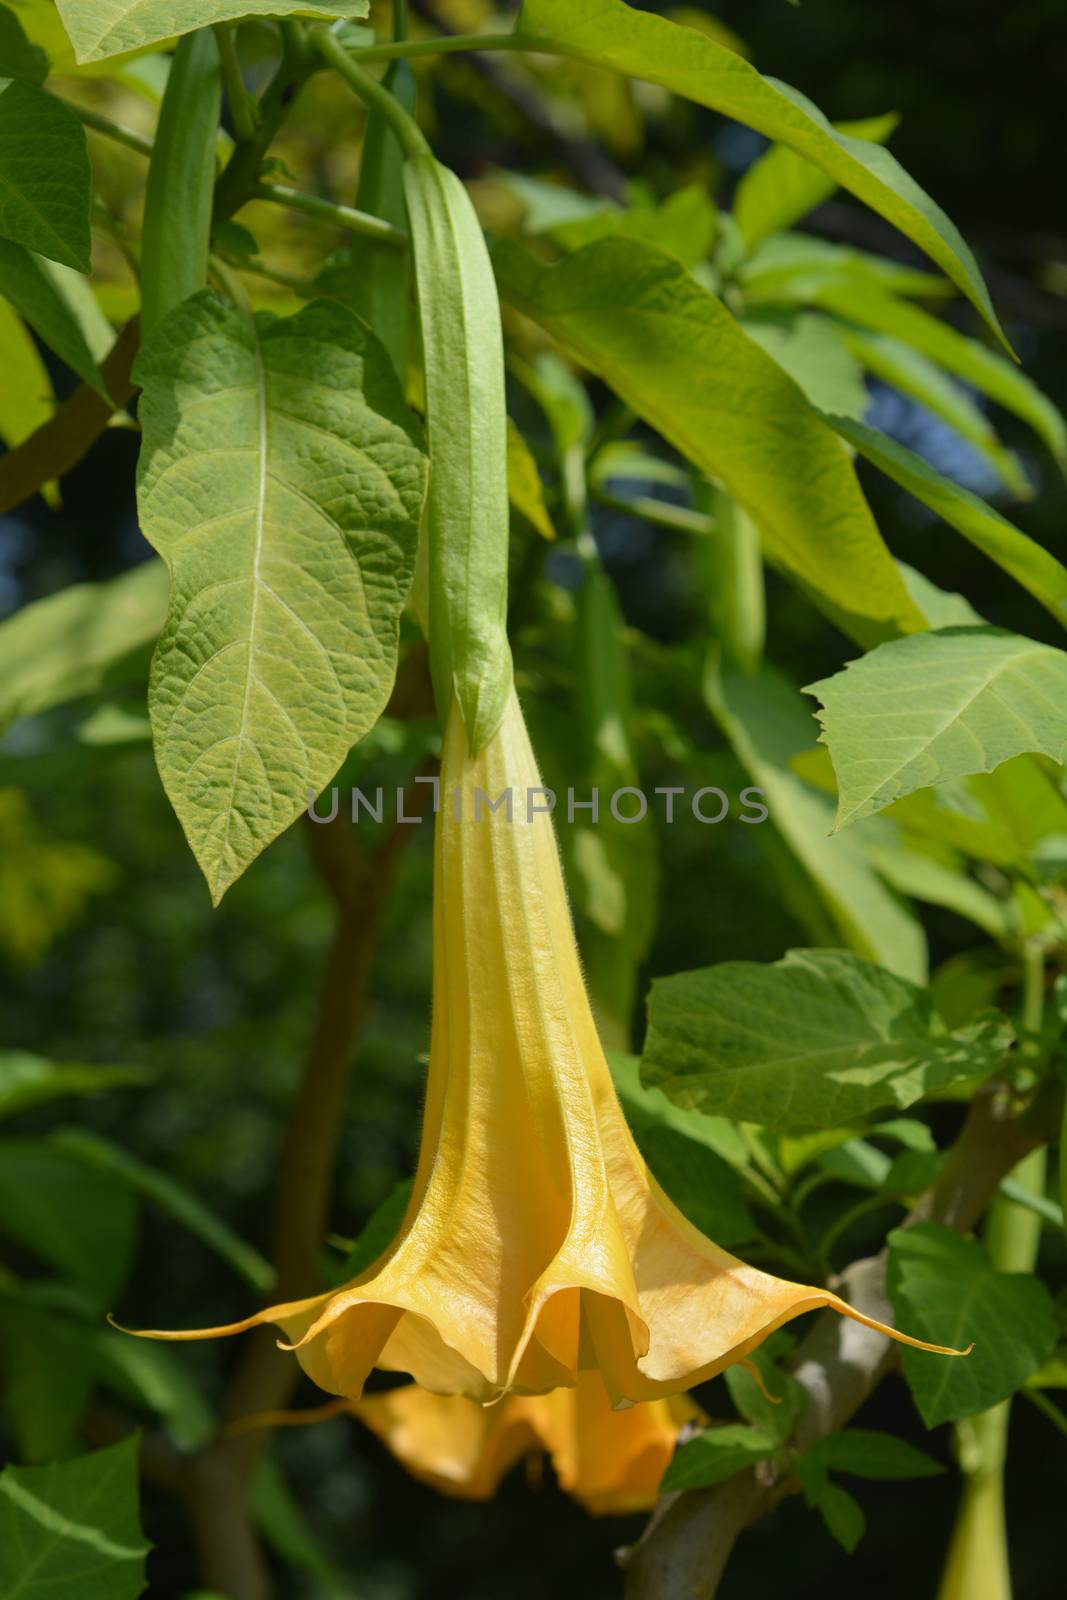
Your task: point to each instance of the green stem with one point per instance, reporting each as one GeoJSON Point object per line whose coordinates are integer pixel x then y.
{"type": "Point", "coordinates": [676, 519]}
{"type": "Point", "coordinates": [111, 130]}
{"type": "Point", "coordinates": [342, 216]}
{"type": "Point", "coordinates": [454, 43]}
{"type": "Point", "coordinates": [977, 1567]}
{"type": "Point", "coordinates": [304, 287]}
{"type": "Point", "coordinates": [242, 171]}
{"type": "Point", "coordinates": [400, 19]}
{"type": "Point", "coordinates": [406, 129]}
{"type": "Point", "coordinates": [244, 122]}
{"type": "Point", "coordinates": [1047, 1408]}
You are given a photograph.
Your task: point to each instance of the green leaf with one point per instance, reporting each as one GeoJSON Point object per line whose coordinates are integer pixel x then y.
{"type": "Point", "coordinates": [945, 1289]}
{"type": "Point", "coordinates": [1032, 566]}
{"type": "Point", "coordinates": [279, 650]}
{"type": "Point", "coordinates": [970, 360]}
{"type": "Point", "coordinates": [936, 706]}
{"type": "Point", "coordinates": [716, 1454]}
{"type": "Point", "coordinates": [684, 1152]}
{"type": "Point", "coordinates": [672, 351]}
{"type": "Point", "coordinates": [280, 1517]}
{"type": "Point", "coordinates": [791, 267]}
{"type": "Point", "coordinates": [864, 1453]}
{"type": "Point", "coordinates": [611, 34]}
{"type": "Point", "coordinates": [79, 640]}
{"type": "Point", "coordinates": [816, 356]}
{"type": "Point", "coordinates": [841, 1513]}
{"type": "Point", "coordinates": [80, 1221]}
{"type": "Point", "coordinates": [76, 292]}
{"type": "Point", "coordinates": [924, 874]}
{"type": "Point", "coordinates": [26, 282]}
{"type": "Point", "coordinates": [28, 1080]}
{"type": "Point", "coordinates": [18, 57]}
{"type": "Point", "coordinates": [26, 397]}
{"type": "Point", "coordinates": [776, 1417]}
{"type": "Point", "coordinates": [683, 225]}
{"type": "Point", "coordinates": [99, 28]}
{"type": "Point", "coordinates": [818, 1038]}
{"type": "Point", "coordinates": [143, 1373]}
{"type": "Point", "coordinates": [102, 1155]}
{"type": "Point", "coordinates": [525, 489]}
{"type": "Point", "coordinates": [780, 187]}
{"type": "Point", "coordinates": [44, 175]}
{"type": "Point", "coordinates": [910, 372]}
{"type": "Point", "coordinates": [768, 725]}
{"type": "Point", "coordinates": [49, 1377]}
{"type": "Point", "coordinates": [380, 1230]}
{"type": "Point", "coordinates": [73, 1528]}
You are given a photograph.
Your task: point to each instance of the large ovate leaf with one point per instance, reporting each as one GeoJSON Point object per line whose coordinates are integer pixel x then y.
{"type": "Point", "coordinates": [768, 724]}
{"type": "Point", "coordinates": [1029, 563]}
{"type": "Point", "coordinates": [780, 187]}
{"type": "Point", "coordinates": [73, 1528]}
{"type": "Point", "coordinates": [937, 706]}
{"type": "Point", "coordinates": [613, 34]}
{"type": "Point", "coordinates": [78, 640]}
{"type": "Point", "coordinates": [281, 479]}
{"type": "Point", "coordinates": [99, 28]}
{"type": "Point", "coordinates": [672, 351]}
{"type": "Point", "coordinates": [946, 1290]}
{"type": "Point", "coordinates": [44, 175]}
{"type": "Point", "coordinates": [684, 1152]}
{"type": "Point", "coordinates": [819, 1038]}
{"type": "Point", "coordinates": [25, 281]}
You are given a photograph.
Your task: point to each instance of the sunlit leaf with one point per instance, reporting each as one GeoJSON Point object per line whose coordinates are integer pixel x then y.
{"type": "Point", "coordinates": [612, 34]}
{"type": "Point", "coordinates": [107, 27]}
{"type": "Point", "coordinates": [78, 640]}
{"type": "Point", "coordinates": [945, 1289]}
{"type": "Point", "coordinates": [279, 649]}
{"type": "Point", "coordinates": [675, 354]}
{"type": "Point", "coordinates": [937, 706]}
{"type": "Point", "coordinates": [818, 1038]}
{"type": "Point", "coordinates": [780, 187]}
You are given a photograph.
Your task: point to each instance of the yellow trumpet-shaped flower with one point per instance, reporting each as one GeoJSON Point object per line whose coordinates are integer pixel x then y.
{"type": "Point", "coordinates": [536, 1243]}
{"type": "Point", "coordinates": [610, 1461]}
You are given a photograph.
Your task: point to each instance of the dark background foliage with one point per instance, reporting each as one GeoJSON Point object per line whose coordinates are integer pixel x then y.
{"type": "Point", "coordinates": [219, 1005]}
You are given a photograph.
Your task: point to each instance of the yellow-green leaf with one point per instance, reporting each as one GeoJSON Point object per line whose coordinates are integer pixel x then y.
{"type": "Point", "coordinates": [613, 34]}
{"type": "Point", "coordinates": [780, 186]}
{"type": "Point", "coordinates": [281, 479]}
{"type": "Point", "coordinates": [672, 351]}
{"type": "Point", "coordinates": [99, 28]}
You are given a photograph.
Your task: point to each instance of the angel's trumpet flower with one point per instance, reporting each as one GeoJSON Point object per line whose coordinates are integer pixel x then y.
{"type": "Point", "coordinates": [610, 1461]}
{"type": "Point", "coordinates": [536, 1243]}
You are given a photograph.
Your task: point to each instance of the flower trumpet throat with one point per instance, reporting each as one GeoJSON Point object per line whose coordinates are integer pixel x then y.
{"type": "Point", "coordinates": [536, 1243]}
